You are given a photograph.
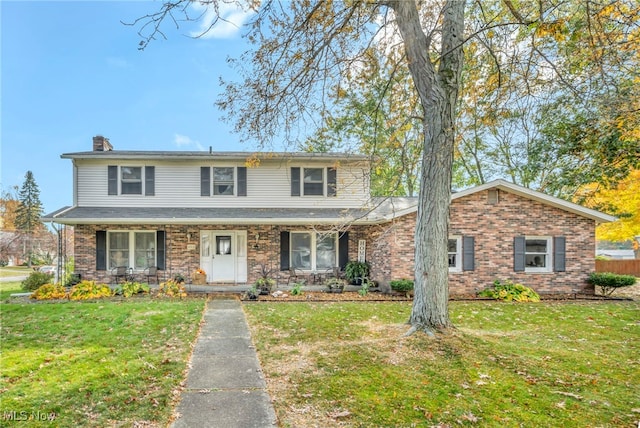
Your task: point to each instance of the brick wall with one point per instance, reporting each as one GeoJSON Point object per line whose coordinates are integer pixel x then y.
{"type": "Point", "coordinates": [390, 246]}
{"type": "Point", "coordinates": [494, 226]}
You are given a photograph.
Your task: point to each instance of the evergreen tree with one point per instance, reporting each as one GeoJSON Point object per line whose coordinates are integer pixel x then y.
{"type": "Point", "coordinates": [29, 211]}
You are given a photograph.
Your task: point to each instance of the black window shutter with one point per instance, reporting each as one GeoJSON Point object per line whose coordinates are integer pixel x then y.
{"type": "Point", "coordinates": [343, 250]}
{"type": "Point", "coordinates": [205, 181]}
{"type": "Point", "coordinates": [332, 182]}
{"type": "Point", "coordinates": [112, 179]}
{"type": "Point", "coordinates": [149, 180]}
{"type": "Point", "coordinates": [518, 253]}
{"type": "Point", "coordinates": [295, 181]}
{"type": "Point", "coordinates": [559, 254]}
{"type": "Point", "coordinates": [101, 250]}
{"type": "Point", "coordinates": [242, 181]}
{"type": "Point", "coordinates": [468, 253]}
{"type": "Point", "coordinates": [284, 250]}
{"type": "Point", "coordinates": [160, 252]}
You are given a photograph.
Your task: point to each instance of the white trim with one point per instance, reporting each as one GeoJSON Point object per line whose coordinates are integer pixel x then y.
{"type": "Point", "coordinates": [458, 254]}
{"type": "Point", "coordinates": [548, 255]}
{"type": "Point", "coordinates": [313, 256]}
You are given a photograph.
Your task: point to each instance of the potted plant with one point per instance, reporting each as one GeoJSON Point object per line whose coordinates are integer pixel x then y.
{"type": "Point", "coordinates": [199, 277]}
{"type": "Point", "coordinates": [253, 293]}
{"type": "Point", "coordinates": [265, 282]}
{"type": "Point", "coordinates": [355, 272]}
{"type": "Point", "coordinates": [335, 285]}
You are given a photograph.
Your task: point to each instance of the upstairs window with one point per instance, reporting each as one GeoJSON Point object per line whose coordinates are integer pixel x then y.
{"type": "Point", "coordinates": [313, 181]}
{"type": "Point", "coordinates": [131, 180]}
{"type": "Point", "coordinates": [223, 181]}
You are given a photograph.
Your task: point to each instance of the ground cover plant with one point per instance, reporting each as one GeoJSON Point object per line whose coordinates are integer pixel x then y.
{"type": "Point", "coordinates": [98, 364]}
{"type": "Point", "coordinates": [506, 364]}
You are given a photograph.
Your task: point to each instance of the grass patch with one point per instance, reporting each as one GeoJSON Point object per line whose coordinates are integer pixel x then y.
{"type": "Point", "coordinates": [552, 364]}
{"type": "Point", "coordinates": [106, 363]}
{"type": "Point", "coordinates": [9, 271]}
{"type": "Point", "coordinates": [8, 288]}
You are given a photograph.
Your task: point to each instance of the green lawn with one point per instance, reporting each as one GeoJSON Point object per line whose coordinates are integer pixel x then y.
{"type": "Point", "coordinates": [544, 364]}
{"type": "Point", "coordinates": [99, 364]}
{"type": "Point", "coordinates": [8, 271]}
{"type": "Point", "coordinates": [120, 363]}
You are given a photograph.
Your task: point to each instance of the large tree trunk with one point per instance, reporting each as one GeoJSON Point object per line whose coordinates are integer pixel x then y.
{"type": "Point", "coordinates": [438, 92]}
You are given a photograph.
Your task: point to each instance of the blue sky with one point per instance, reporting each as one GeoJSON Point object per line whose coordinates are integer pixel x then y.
{"type": "Point", "coordinates": [72, 70]}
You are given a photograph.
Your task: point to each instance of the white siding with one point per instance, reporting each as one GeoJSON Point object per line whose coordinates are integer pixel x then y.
{"type": "Point", "coordinates": [177, 184]}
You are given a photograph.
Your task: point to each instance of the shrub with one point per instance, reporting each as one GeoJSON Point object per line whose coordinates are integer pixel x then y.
{"type": "Point", "coordinates": [35, 280]}
{"type": "Point", "coordinates": [356, 271]}
{"type": "Point", "coordinates": [401, 285]}
{"type": "Point", "coordinates": [610, 282]}
{"type": "Point", "coordinates": [364, 290]}
{"type": "Point", "coordinates": [296, 290]}
{"type": "Point", "coordinates": [129, 288]}
{"type": "Point", "coordinates": [49, 292]}
{"type": "Point", "coordinates": [508, 291]}
{"type": "Point", "coordinates": [89, 290]}
{"type": "Point", "coordinates": [172, 288]}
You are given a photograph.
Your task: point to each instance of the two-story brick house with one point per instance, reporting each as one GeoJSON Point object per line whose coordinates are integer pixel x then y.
{"type": "Point", "coordinates": [229, 213]}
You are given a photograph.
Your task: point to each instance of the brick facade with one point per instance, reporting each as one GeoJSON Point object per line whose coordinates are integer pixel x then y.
{"type": "Point", "coordinates": [494, 227]}
{"type": "Point", "coordinates": [390, 246]}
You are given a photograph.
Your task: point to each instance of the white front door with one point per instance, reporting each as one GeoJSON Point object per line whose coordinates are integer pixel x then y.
{"type": "Point", "coordinates": [218, 255]}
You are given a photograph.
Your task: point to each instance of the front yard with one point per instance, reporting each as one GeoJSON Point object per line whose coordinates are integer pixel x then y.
{"type": "Point", "coordinates": [329, 364]}
{"type": "Point", "coordinates": [571, 364]}
{"type": "Point", "coordinates": [98, 364]}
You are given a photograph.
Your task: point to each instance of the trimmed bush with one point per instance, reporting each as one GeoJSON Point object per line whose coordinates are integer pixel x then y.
{"type": "Point", "coordinates": [49, 292]}
{"type": "Point", "coordinates": [610, 282]}
{"type": "Point", "coordinates": [401, 285]}
{"type": "Point", "coordinates": [85, 290]}
{"type": "Point", "coordinates": [509, 291]}
{"type": "Point", "coordinates": [35, 281]}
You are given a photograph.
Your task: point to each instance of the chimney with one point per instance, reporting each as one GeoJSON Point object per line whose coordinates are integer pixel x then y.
{"type": "Point", "coordinates": [101, 144]}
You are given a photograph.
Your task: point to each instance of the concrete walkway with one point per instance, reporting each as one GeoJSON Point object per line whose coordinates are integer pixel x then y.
{"type": "Point", "coordinates": [225, 386]}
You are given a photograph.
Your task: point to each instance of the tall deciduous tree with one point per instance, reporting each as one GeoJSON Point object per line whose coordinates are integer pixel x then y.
{"type": "Point", "coordinates": [304, 50]}
{"type": "Point", "coordinates": [621, 200]}
{"type": "Point", "coordinates": [29, 211]}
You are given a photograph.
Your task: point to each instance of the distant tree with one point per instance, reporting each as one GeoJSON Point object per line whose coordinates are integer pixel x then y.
{"type": "Point", "coordinates": [29, 212]}
{"type": "Point", "coordinates": [8, 207]}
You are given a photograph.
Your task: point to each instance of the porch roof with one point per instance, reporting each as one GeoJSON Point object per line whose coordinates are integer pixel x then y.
{"type": "Point", "coordinates": [179, 215]}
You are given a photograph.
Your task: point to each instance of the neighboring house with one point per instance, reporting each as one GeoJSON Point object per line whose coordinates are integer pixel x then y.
{"type": "Point", "coordinates": [230, 213]}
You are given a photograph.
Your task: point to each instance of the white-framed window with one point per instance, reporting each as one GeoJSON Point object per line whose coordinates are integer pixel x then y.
{"type": "Point", "coordinates": [313, 182]}
{"type": "Point", "coordinates": [313, 251]}
{"type": "Point", "coordinates": [136, 249]}
{"type": "Point", "coordinates": [454, 253]}
{"type": "Point", "coordinates": [538, 254]}
{"type": "Point", "coordinates": [223, 180]}
{"type": "Point", "coordinates": [131, 180]}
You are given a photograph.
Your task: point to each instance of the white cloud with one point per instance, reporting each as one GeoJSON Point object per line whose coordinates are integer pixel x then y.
{"type": "Point", "coordinates": [230, 19]}
{"type": "Point", "coordinates": [185, 142]}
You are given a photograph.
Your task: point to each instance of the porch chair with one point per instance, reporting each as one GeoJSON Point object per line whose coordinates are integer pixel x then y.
{"type": "Point", "coordinates": [295, 275]}
{"type": "Point", "coordinates": [121, 273]}
{"type": "Point", "coordinates": [151, 272]}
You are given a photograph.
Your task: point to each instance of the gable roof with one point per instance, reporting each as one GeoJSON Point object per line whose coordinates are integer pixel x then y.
{"type": "Point", "coordinates": [537, 196]}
